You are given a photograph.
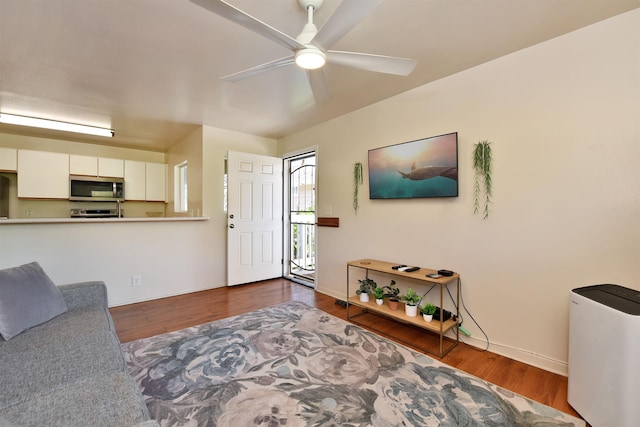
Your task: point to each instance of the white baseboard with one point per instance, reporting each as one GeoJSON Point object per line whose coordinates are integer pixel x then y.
{"type": "Point", "coordinates": [525, 356]}
{"type": "Point", "coordinates": [127, 301]}
{"type": "Point", "coordinates": [331, 294]}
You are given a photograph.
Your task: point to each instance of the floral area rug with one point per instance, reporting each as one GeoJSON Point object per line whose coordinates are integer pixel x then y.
{"type": "Point", "coordinates": [293, 365]}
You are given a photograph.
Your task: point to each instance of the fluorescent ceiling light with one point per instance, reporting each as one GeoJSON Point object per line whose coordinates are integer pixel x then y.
{"type": "Point", "coordinates": [310, 58]}
{"type": "Point", "coordinates": [52, 124]}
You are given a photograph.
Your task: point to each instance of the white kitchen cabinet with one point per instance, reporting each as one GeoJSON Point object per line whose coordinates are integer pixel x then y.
{"type": "Point", "coordinates": [43, 175]}
{"type": "Point", "coordinates": [113, 168]}
{"type": "Point", "coordinates": [145, 181]}
{"type": "Point", "coordinates": [83, 165]}
{"type": "Point", "coordinates": [134, 180]}
{"type": "Point", "coordinates": [156, 182]}
{"type": "Point", "coordinates": [96, 166]}
{"type": "Point", "coordinates": [8, 159]}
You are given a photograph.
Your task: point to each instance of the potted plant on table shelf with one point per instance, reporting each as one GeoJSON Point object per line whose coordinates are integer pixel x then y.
{"type": "Point", "coordinates": [392, 293]}
{"type": "Point", "coordinates": [411, 300]}
{"type": "Point", "coordinates": [379, 294]}
{"type": "Point", "coordinates": [427, 311]}
{"type": "Point", "coordinates": [366, 288]}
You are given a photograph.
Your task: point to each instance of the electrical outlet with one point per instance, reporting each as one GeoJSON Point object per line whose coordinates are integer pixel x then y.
{"type": "Point", "coordinates": [136, 280]}
{"type": "Point", "coordinates": [28, 212]}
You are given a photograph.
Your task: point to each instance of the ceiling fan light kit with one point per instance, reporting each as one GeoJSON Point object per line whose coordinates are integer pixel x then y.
{"type": "Point", "coordinates": [311, 47]}
{"type": "Point", "coordinates": [310, 58]}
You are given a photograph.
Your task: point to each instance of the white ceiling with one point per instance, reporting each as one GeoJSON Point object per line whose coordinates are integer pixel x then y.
{"type": "Point", "coordinates": [150, 68]}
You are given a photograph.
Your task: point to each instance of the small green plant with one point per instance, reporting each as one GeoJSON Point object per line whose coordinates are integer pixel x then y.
{"type": "Point", "coordinates": [357, 181]}
{"type": "Point", "coordinates": [366, 286]}
{"type": "Point", "coordinates": [482, 168]}
{"type": "Point", "coordinates": [378, 293]}
{"type": "Point", "coordinates": [411, 297]}
{"type": "Point", "coordinates": [428, 309]}
{"type": "Point", "coordinates": [392, 291]}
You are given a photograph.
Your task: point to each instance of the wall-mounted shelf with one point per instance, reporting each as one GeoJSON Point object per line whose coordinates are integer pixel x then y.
{"type": "Point", "coordinates": [328, 222]}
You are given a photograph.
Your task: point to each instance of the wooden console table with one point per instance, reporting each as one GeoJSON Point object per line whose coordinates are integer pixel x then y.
{"type": "Point", "coordinates": [435, 326]}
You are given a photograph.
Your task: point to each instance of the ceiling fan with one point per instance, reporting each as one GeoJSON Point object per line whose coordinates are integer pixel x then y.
{"type": "Point", "coordinates": [311, 47]}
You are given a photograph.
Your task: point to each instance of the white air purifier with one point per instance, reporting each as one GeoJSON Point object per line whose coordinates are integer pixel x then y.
{"type": "Point", "coordinates": [604, 355]}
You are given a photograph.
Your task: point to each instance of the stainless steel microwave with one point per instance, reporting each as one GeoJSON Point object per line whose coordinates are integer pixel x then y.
{"type": "Point", "coordinates": [91, 188]}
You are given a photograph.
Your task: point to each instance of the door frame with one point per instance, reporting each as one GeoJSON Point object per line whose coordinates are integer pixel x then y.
{"type": "Point", "coordinates": [254, 247]}
{"type": "Point", "coordinates": [286, 226]}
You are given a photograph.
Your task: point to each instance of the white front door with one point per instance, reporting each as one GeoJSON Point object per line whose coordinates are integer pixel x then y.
{"type": "Point", "coordinates": [254, 222]}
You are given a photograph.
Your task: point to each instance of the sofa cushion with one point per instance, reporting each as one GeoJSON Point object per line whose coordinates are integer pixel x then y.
{"type": "Point", "coordinates": [28, 298]}
{"type": "Point", "coordinates": [84, 294]}
{"type": "Point", "coordinates": [28, 371]}
{"type": "Point", "coordinates": [6, 423]}
{"type": "Point", "coordinates": [109, 399]}
{"type": "Point", "coordinates": [71, 325]}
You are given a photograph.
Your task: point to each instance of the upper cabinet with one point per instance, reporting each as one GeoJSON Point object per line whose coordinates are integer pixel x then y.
{"type": "Point", "coordinates": [43, 175]}
{"type": "Point", "coordinates": [156, 182]}
{"type": "Point", "coordinates": [83, 165]}
{"type": "Point", "coordinates": [96, 166]}
{"type": "Point", "coordinates": [134, 180]}
{"type": "Point", "coordinates": [110, 167]}
{"type": "Point", "coordinates": [145, 181]}
{"type": "Point", "coordinates": [8, 159]}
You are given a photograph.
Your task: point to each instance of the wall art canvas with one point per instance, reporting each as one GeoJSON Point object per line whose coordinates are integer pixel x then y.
{"type": "Point", "coordinates": [416, 169]}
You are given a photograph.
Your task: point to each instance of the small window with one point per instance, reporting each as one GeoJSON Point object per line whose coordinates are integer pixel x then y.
{"type": "Point", "coordinates": [180, 184]}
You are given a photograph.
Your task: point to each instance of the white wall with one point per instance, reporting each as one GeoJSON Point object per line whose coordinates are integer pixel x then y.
{"type": "Point", "coordinates": [168, 255]}
{"type": "Point", "coordinates": [563, 118]}
{"type": "Point", "coordinates": [26, 142]}
{"type": "Point", "coordinates": [189, 150]}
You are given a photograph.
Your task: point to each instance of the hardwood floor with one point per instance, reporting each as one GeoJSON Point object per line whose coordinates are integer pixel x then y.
{"type": "Point", "coordinates": [155, 317]}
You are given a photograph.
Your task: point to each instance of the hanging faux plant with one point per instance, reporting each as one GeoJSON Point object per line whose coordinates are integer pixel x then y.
{"type": "Point", "coordinates": [482, 178]}
{"type": "Point", "coordinates": [357, 181]}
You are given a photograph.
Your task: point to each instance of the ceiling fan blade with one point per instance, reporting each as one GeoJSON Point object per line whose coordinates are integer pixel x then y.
{"type": "Point", "coordinates": [319, 85]}
{"type": "Point", "coordinates": [250, 72]}
{"type": "Point", "coordinates": [224, 9]}
{"type": "Point", "coordinates": [343, 19]}
{"type": "Point", "coordinates": [370, 62]}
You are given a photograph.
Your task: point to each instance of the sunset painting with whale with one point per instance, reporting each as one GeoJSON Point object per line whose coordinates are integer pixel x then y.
{"type": "Point", "coordinates": [416, 169]}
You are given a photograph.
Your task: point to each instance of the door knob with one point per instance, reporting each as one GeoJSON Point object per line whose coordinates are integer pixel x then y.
{"type": "Point", "coordinates": [231, 216]}
{"type": "Point", "coordinates": [231, 225]}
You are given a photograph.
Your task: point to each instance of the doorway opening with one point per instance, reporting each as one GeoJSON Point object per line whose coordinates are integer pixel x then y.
{"type": "Point", "coordinates": [300, 223]}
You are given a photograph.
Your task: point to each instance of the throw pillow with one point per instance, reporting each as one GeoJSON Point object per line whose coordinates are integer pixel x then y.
{"type": "Point", "coordinates": [28, 298]}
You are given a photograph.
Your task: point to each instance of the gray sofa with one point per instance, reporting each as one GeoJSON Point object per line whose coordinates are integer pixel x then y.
{"type": "Point", "coordinates": [69, 371]}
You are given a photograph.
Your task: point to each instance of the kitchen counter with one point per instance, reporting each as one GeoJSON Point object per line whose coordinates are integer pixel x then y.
{"type": "Point", "coordinates": [96, 220]}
